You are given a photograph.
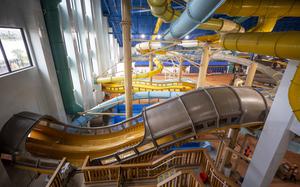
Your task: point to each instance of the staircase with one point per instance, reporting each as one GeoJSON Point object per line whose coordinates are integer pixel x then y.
{"type": "Point", "coordinates": [173, 169]}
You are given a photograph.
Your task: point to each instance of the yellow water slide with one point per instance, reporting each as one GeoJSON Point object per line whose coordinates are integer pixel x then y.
{"type": "Point", "coordinates": [294, 94]}
{"type": "Point", "coordinates": [163, 10]}
{"type": "Point", "coordinates": [140, 86]}
{"type": "Point", "coordinates": [156, 71]}
{"type": "Point", "coordinates": [116, 84]}
{"type": "Point", "coordinates": [158, 126]}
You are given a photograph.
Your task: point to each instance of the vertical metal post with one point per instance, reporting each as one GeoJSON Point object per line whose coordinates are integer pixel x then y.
{"type": "Point", "coordinates": [243, 145]}
{"type": "Point", "coordinates": [150, 66]}
{"type": "Point", "coordinates": [276, 134]}
{"type": "Point", "coordinates": [180, 69]}
{"type": "Point", "coordinates": [219, 153]}
{"type": "Point", "coordinates": [251, 74]}
{"type": "Point", "coordinates": [126, 33]}
{"type": "Point", "coordinates": [233, 135]}
{"type": "Point", "coordinates": [203, 67]}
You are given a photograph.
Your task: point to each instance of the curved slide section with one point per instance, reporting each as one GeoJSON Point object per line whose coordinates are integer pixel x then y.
{"type": "Point", "coordinates": [139, 86]}
{"type": "Point", "coordinates": [90, 114]}
{"type": "Point", "coordinates": [157, 127]}
{"type": "Point", "coordinates": [246, 62]}
{"type": "Point", "coordinates": [136, 76]}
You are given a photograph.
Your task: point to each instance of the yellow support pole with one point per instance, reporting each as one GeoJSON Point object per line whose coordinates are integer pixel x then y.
{"type": "Point", "coordinates": [150, 66]}
{"type": "Point", "coordinates": [203, 66]}
{"type": "Point", "coordinates": [251, 74]}
{"type": "Point", "coordinates": [159, 22]}
{"type": "Point", "coordinates": [126, 24]}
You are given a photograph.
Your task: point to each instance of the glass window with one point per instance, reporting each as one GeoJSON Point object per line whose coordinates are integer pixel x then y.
{"type": "Point", "coordinates": [3, 67]}
{"type": "Point", "coordinates": [14, 50]}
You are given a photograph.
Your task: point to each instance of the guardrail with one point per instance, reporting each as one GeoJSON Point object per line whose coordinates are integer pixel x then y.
{"type": "Point", "coordinates": [182, 178]}
{"type": "Point", "coordinates": [56, 179]}
{"type": "Point", "coordinates": [150, 170]}
{"type": "Point", "coordinates": [123, 125]}
{"type": "Point", "coordinates": [216, 178]}
{"type": "Point", "coordinates": [147, 86]}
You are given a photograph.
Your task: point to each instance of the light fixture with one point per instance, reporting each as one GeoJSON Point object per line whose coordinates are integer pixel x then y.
{"type": "Point", "coordinates": [187, 37]}
{"type": "Point", "coordinates": [143, 36]}
{"type": "Point", "coordinates": [158, 36]}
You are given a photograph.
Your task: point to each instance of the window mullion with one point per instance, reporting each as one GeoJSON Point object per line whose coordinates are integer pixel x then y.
{"type": "Point", "coordinates": [5, 57]}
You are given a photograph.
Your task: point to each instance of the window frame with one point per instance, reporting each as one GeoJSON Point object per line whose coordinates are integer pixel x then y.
{"type": "Point", "coordinates": [2, 50]}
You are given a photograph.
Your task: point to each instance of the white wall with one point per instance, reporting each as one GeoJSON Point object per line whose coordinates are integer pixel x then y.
{"type": "Point", "coordinates": [35, 89]}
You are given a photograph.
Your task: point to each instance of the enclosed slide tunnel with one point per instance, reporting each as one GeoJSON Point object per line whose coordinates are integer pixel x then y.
{"type": "Point", "coordinates": [158, 126]}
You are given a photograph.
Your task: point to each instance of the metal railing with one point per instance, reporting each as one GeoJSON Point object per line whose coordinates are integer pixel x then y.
{"type": "Point", "coordinates": [150, 170]}
{"type": "Point", "coordinates": [147, 86]}
{"type": "Point", "coordinates": [125, 172]}
{"type": "Point", "coordinates": [123, 125]}
{"type": "Point", "coordinates": [216, 178]}
{"type": "Point", "coordinates": [182, 178]}
{"type": "Point", "coordinates": [56, 179]}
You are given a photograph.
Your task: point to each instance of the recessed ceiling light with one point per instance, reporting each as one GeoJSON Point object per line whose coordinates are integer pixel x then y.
{"type": "Point", "coordinates": [187, 37]}
{"type": "Point", "coordinates": [143, 36]}
{"type": "Point", "coordinates": [158, 36]}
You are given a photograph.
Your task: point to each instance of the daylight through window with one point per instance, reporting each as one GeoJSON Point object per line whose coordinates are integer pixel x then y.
{"type": "Point", "coordinates": [14, 52]}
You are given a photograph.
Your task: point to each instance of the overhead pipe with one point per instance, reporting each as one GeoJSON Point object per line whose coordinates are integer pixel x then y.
{"type": "Point", "coordinates": [163, 10]}
{"type": "Point", "coordinates": [280, 8]}
{"type": "Point", "coordinates": [196, 12]}
{"type": "Point", "coordinates": [279, 44]}
{"type": "Point", "coordinates": [159, 68]}
{"type": "Point", "coordinates": [262, 8]}
{"type": "Point", "coordinates": [265, 24]}
{"type": "Point", "coordinates": [294, 94]}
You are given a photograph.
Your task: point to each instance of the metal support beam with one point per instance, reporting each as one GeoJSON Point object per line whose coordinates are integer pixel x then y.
{"type": "Point", "coordinates": [243, 145]}
{"type": "Point", "coordinates": [251, 74]}
{"type": "Point", "coordinates": [233, 135]}
{"type": "Point", "coordinates": [126, 25]}
{"type": "Point", "coordinates": [274, 139]}
{"type": "Point", "coordinates": [219, 153]}
{"type": "Point", "coordinates": [180, 69]}
{"type": "Point", "coordinates": [203, 67]}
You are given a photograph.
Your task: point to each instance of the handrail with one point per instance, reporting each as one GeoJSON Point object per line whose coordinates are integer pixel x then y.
{"type": "Point", "coordinates": [144, 85]}
{"type": "Point", "coordinates": [215, 177]}
{"type": "Point", "coordinates": [173, 153]}
{"type": "Point", "coordinates": [182, 175]}
{"type": "Point", "coordinates": [95, 130]}
{"type": "Point", "coordinates": [56, 179]}
{"type": "Point", "coordinates": [188, 158]}
{"type": "Point", "coordinates": [150, 170]}
{"type": "Point", "coordinates": [167, 161]}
